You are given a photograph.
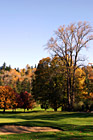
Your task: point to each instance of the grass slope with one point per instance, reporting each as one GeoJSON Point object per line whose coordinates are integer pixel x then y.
{"type": "Point", "coordinates": [74, 126]}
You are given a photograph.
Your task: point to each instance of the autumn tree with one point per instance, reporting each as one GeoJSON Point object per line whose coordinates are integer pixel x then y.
{"type": "Point", "coordinates": [67, 44]}
{"type": "Point", "coordinates": [80, 77]}
{"type": "Point", "coordinates": [27, 101]}
{"type": "Point", "coordinates": [7, 98]}
{"type": "Point", "coordinates": [88, 88]}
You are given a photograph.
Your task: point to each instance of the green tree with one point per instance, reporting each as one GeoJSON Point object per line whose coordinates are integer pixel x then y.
{"type": "Point", "coordinates": [57, 84]}
{"type": "Point", "coordinates": [26, 85]}
{"type": "Point", "coordinates": [1, 82]}
{"type": "Point", "coordinates": [40, 83]}
{"type": "Point", "coordinates": [4, 66]}
{"type": "Point", "coordinates": [18, 86]}
{"type": "Point", "coordinates": [49, 85]}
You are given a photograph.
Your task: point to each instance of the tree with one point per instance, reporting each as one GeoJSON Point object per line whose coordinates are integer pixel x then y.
{"type": "Point", "coordinates": [27, 66]}
{"type": "Point", "coordinates": [18, 86]}
{"type": "Point", "coordinates": [4, 66]}
{"type": "Point", "coordinates": [80, 77]}
{"type": "Point", "coordinates": [88, 86]}
{"type": "Point", "coordinates": [8, 68]}
{"type": "Point", "coordinates": [26, 85]}
{"type": "Point", "coordinates": [1, 82]}
{"type": "Point", "coordinates": [40, 83]}
{"type": "Point", "coordinates": [67, 44]}
{"type": "Point", "coordinates": [27, 100]}
{"type": "Point", "coordinates": [48, 87]}
{"type": "Point", "coordinates": [57, 84]}
{"type": "Point", "coordinates": [17, 70]}
{"type": "Point", "coordinates": [7, 98]}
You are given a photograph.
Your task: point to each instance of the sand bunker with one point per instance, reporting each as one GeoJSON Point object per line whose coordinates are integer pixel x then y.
{"type": "Point", "coordinates": [12, 129]}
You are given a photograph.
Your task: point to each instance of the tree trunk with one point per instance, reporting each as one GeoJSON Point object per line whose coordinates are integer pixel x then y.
{"type": "Point", "coordinates": [68, 91]}
{"type": "Point", "coordinates": [55, 106]}
{"type": "Point", "coordinates": [4, 110]}
{"type": "Point", "coordinates": [4, 104]}
{"type": "Point", "coordinates": [55, 109]}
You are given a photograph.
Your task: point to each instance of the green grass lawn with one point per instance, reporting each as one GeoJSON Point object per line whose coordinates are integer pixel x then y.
{"type": "Point", "coordinates": [74, 126]}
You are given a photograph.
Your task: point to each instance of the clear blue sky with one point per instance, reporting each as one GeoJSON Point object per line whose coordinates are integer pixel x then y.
{"type": "Point", "coordinates": [27, 25]}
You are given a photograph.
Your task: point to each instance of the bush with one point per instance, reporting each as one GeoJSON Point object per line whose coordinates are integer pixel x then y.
{"type": "Point", "coordinates": [80, 106]}
{"type": "Point", "coordinates": [89, 105]}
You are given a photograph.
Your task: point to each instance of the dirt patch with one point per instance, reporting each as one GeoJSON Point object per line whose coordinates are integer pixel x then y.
{"type": "Point", "coordinates": [13, 129]}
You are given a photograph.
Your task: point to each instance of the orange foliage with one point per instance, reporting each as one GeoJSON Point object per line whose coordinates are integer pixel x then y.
{"type": "Point", "coordinates": [7, 97]}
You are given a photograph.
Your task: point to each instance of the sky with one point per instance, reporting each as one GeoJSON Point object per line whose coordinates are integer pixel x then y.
{"type": "Point", "coordinates": [27, 25]}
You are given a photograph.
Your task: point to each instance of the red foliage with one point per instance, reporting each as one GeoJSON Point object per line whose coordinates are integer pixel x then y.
{"type": "Point", "coordinates": [27, 100]}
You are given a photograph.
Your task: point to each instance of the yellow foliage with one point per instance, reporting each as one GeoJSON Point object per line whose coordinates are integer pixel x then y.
{"type": "Point", "coordinates": [80, 75]}
{"type": "Point", "coordinates": [91, 94]}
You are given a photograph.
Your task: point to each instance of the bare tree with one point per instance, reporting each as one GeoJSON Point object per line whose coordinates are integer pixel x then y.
{"type": "Point", "coordinates": [67, 44]}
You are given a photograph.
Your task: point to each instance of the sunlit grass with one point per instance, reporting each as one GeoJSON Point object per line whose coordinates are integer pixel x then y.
{"type": "Point", "coordinates": [74, 126]}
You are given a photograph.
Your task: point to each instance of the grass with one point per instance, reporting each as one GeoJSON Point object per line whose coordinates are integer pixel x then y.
{"type": "Point", "coordinates": [74, 126]}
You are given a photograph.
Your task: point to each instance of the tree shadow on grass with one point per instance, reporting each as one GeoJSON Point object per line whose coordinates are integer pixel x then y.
{"type": "Point", "coordinates": [34, 123]}
{"type": "Point", "coordinates": [20, 112]}
{"type": "Point", "coordinates": [46, 116]}
{"type": "Point", "coordinates": [60, 126]}
{"type": "Point", "coordinates": [60, 136]}
{"type": "Point", "coordinates": [49, 120]}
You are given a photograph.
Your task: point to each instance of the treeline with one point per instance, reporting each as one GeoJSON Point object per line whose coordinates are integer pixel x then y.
{"type": "Point", "coordinates": [18, 79]}
{"type": "Point", "coordinates": [46, 85]}
{"type": "Point", "coordinates": [15, 87]}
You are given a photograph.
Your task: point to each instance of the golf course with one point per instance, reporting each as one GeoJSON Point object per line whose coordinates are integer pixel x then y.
{"type": "Point", "coordinates": [71, 125]}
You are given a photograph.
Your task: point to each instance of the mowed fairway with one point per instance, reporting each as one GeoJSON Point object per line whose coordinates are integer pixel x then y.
{"type": "Point", "coordinates": [74, 126]}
